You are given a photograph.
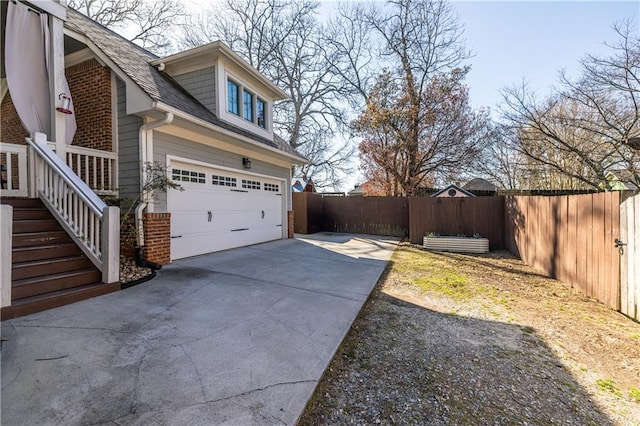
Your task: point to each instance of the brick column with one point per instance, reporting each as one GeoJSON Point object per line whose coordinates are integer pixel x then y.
{"type": "Point", "coordinates": [290, 224]}
{"type": "Point", "coordinates": [157, 237]}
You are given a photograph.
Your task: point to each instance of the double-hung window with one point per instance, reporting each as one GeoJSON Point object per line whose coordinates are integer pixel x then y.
{"type": "Point", "coordinates": [261, 113]}
{"type": "Point", "coordinates": [247, 105]}
{"type": "Point", "coordinates": [233, 91]}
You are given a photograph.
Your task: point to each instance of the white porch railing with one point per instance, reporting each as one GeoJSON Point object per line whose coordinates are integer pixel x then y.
{"type": "Point", "coordinates": [98, 169]}
{"type": "Point", "coordinates": [13, 159]}
{"type": "Point", "coordinates": [93, 225]}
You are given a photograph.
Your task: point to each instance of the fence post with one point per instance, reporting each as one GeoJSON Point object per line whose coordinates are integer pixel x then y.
{"type": "Point", "coordinates": [6, 229]}
{"type": "Point", "coordinates": [110, 240]}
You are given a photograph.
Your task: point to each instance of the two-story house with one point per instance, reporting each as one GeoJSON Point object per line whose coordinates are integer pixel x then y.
{"type": "Point", "coordinates": [204, 116]}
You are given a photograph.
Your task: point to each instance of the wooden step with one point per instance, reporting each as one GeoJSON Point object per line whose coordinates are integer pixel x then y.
{"type": "Point", "coordinates": [30, 239]}
{"type": "Point", "coordinates": [28, 287]}
{"type": "Point", "coordinates": [31, 213]}
{"type": "Point", "coordinates": [39, 225]}
{"type": "Point", "coordinates": [43, 302]}
{"type": "Point", "coordinates": [22, 202]}
{"type": "Point", "coordinates": [42, 267]}
{"type": "Point", "coordinates": [51, 251]}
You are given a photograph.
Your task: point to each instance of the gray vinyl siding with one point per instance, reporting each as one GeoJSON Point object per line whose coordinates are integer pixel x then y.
{"type": "Point", "coordinates": [128, 149]}
{"type": "Point", "coordinates": [201, 84]}
{"type": "Point", "coordinates": [164, 145]}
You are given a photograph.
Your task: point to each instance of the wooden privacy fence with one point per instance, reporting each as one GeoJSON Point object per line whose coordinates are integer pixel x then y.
{"type": "Point", "coordinates": [401, 216]}
{"type": "Point", "coordinates": [458, 216]}
{"type": "Point", "coordinates": [307, 209]}
{"type": "Point", "coordinates": [570, 238]}
{"type": "Point", "coordinates": [367, 215]}
{"type": "Point", "coordinates": [630, 258]}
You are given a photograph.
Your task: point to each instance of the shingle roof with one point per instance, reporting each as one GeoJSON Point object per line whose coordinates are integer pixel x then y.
{"type": "Point", "coordinates": [134, 62]}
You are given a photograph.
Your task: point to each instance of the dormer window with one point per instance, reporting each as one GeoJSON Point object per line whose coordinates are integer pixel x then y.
{"type": "Point", "coordinates": [247, 105]}
{"type": "Point", "coordinates": [233, 96]}
{"type": "Point", "coordinates": [244, 102]}
{"type": "Point", "coordinates": [261, 113]}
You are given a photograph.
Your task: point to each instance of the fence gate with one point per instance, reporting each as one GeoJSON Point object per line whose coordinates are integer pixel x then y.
{"type": "Point", "coordinates": [630, 259]}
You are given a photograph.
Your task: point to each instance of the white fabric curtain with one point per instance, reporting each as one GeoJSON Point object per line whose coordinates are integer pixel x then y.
{"type": "Point", "coordinates": [27, 70]}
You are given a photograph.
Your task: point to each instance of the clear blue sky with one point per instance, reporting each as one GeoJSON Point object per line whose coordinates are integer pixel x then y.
{"type": "Point", "coordinates": [534, 40]}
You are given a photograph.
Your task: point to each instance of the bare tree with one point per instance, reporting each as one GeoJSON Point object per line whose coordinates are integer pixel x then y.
{"type": "Point", "coordinates": [417, 125]}
{"type": "Point", "coordinates": [501, 162]}
{"type": "Point", "coordinates": [283, 39]}
{"type": "Point", "coordinates": [147, 20]}
{"type": "Point", "coordinates": [583, 132]}
{"type": "Point", "coordinates": [449, 134]}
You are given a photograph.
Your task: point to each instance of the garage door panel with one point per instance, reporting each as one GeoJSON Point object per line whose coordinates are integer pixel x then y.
{"type": "Point", "coordinates": [215, 215]}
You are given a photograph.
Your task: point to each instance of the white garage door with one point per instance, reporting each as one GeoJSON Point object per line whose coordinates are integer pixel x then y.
{"type": "Point", "coordinates": [219, 209]}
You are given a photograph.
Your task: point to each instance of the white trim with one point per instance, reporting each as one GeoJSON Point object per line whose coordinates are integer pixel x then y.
{"type": "Point", "coordinates": [134, 91]}
{"type": "Point", "coordinates": [115, 140]}
{"type": "Point", "coordinates": [239, 120]}
{"type": "Point", "coordinates": [215, 166]}
{"type": "Point", "coordinates": [54, 8]}
{"type": "Point", "coordinates": [6, 229]}
{"type": "Point", "coordinates": [218, 48]}
{"type": "Point", "coordinates": [81, 56]}
{"type": "Point", "coordinates": [179, 113]}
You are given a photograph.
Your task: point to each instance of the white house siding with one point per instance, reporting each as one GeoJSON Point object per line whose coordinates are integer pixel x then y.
{"type": "Point", "coordinates": [201, 84]}
{"type": "Point", "coordinates": [164, 144]}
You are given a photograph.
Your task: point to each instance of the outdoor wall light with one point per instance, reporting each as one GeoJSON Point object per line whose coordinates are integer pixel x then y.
{"type": "Point", "coordinates": [246, 162]}
{"type": "Point", "coordinates": [65, 104]}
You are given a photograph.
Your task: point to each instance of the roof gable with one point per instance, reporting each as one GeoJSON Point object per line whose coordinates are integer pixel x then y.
{"type": "Point", "coordinates": [455, 188]}
{"type": "Point", "coordinates": [136, 63]}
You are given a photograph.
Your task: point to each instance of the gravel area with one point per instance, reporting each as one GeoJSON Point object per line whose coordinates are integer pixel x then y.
{"type": "Point", "coordinates": [460, 339]}
{"type": "Point", "coordinates": [130, 272]}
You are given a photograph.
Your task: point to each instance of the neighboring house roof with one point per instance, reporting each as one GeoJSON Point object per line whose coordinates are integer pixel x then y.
{"type": "Point", "coordinates": [299, 184]}
{"type": "Point", "coordinates": [135, 62]}
{"type": "Point", "coordinates": [357, 190]}
{"type": "Point", "coordinates": [453, 187]}
{"type": "Point", "coordinates": [479, 184]}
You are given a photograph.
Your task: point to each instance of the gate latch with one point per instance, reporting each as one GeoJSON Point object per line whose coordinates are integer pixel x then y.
{"type": "Point", "coordinates": [620, 245]}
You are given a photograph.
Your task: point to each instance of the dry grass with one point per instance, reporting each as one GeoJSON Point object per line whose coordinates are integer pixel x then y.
{"type": "Point", "coordinates": [577, 360]}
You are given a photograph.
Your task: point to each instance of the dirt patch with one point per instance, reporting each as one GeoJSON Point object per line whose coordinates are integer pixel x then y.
{"type": "Point", "coordinates": [460, 339]}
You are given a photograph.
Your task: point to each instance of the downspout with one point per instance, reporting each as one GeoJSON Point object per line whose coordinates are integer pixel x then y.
{"type": "Point", "coordinates": [146, 151]}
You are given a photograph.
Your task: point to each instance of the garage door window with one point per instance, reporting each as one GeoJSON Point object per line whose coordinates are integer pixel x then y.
{"type": "Point", "coordinates": [250, 184]}
{"type": "Point", "coordinates": [187, 176]}
{"type": "Point", "coordinates": [224, 181]}
{"type": "Point", "coordinates": [271, 187]}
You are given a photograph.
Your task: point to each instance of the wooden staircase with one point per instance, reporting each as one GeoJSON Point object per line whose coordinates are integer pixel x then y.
{"type": "Point", "coordinates": [48, 268]}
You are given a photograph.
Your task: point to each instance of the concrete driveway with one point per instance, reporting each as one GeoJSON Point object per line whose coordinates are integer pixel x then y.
{"type": "Point", "coordinates": [237, 337]}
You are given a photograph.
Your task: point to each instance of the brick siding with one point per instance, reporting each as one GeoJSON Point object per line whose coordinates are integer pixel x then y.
{"type": "Point", "coordinates": [157, 237]}
{"type": "Point", "coordinates": [90, 86]}
{"type": "Point", "coordinates": [11, 130]}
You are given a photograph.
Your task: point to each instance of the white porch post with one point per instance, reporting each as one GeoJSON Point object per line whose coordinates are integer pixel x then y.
{"type": "Point", "coordinates": [110, 240]}
{"type": "Point", "coordinates": [6, 226]}
{"type": "Point", "coordinates": [57, 83]}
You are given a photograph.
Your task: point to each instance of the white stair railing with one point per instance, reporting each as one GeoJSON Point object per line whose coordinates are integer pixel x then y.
{"type": "Point", "coordinates": [93, 225]}
{"type": "Point", "coordinates": [13, 176]}
{"type": "Point", "coordinates": [97, 168]}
